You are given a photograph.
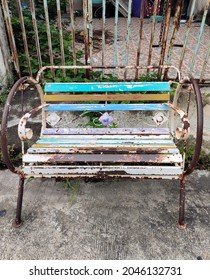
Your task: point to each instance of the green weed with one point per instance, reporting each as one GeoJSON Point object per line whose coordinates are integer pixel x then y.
{"type": "Point", "coordinates": [73, 188]}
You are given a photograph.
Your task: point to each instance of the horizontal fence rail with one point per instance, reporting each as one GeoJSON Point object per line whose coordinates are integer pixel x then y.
{"type": "Point", "coordinates": [107, 34]}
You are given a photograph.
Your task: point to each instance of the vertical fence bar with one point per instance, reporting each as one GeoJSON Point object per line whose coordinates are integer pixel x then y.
{"type": "Point", "coordinates": [11, 36]}
{"type": "Point", "coordinates": [32, 6]}
{"type": "Point", "coordinates": [86, 39]}
{"type": "Point", "coordinates": [199, 37]}
{"type": "Point", "coordinates": [165, 36]}
{"type": "Point", "coordinates": [61, 35]}
{"type": "Point", "coordinates": [205, 63]}
{"type": "Point", "coordinates": [189, 23]}
{"type": "Point", "coordinates": [90, 25]}
{"type": "Point", "coordinates": [103, 33]}
{"type": "Point", "coordinates": [25, 43]}
{"type": "Point", "coordinates": [115, 34]}
{"type": "Point", "coordinates": [47, 22]}
{"type": "Point", "coordinates": [140, 38]}
{"type": "Point", "coordinates": [175, 28]}
{"type": "Point", "coordinates": [152, 34]}
{"type": "Point", "coordinates": [71, 10]}
{"type": "Point", "coordinates": [128, 36]}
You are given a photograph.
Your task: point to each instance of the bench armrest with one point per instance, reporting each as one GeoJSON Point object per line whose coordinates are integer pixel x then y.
{"type": "Point", "coordinates": [27, 133]}
{"type": "Point", "coordinates": [199, 130]}
{"type": "Point", "coordinates": [183, 132]}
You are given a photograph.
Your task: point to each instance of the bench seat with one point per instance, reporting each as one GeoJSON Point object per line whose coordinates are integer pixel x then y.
{"type": "Point", "coordinates": [87, 152]}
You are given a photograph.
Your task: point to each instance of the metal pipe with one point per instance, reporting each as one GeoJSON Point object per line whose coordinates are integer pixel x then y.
{"type": "Point", "coordinates": [90, 25]}
{"type": "Point", "coordinates": [85, 15]}
{"type": "Point", "coordinates": [189, 23]}
{"type": "Point", "coordinates": [32, 6]}
{"type": "Point", "coordinates": [11, 36]}
{"type": "Point", "coordinates": [175, 29]}
{"type": "Point", "coordinates": [115, 34]}
{"type": "Point", "coordinates": [86, 39]}
{"type": "Point", "coordinates": [25, 44]}
{"type": "Point", "coordinates": [152, 33]}
{"type": "Point", "coordinates": [181, 222]}
{"type": "Point", "coordinates": [165, 36]}
{"type": "Point", "coordinates": [18, 222]}
{"type": "Point", "coordinates": [71, 10]}
{"type": "Point", "coordinates": [61, 35]}
{"type": "Point", "coordinates": [47, 22]}
{"type": "Point", "coordinates": [199, 132]}
{"type": "Point", "coordinates": [128, 36]}
{"type": "Point", "coordinates": [140, 38]}
{"type": "Point", "coordinates": [90, 67]}
{"type": "Point", "coordinates": [103, 33]}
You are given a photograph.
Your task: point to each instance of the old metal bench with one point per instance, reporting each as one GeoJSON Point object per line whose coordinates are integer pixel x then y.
{"type": "Point", "coordinates": [125, 152]}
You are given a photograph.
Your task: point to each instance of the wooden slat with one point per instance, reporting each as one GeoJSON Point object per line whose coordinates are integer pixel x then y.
{"type": "Point", "coordinates": [106, 107]}
{"type": "Point", "coordinates": [110, 146]}
{"type": "Point", "coordinates": [104, 131]}
{"type": "Point", "coordinates": [89, 137]}
{"type": "Point", "coordinates": [166, 172]}
{"type": "Point", "coordinates": [38, 149]}
{"type": "Point", "coordinates": [107, 87]}
{"type": "Point", "coordinates": [105, 97]}
{"type": "Point", "coordinates": [109, 142]}
{"type": "Point", "coordinates": [103, 158]}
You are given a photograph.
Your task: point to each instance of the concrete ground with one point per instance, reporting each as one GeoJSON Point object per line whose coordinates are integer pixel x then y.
{"type": "Point", "coordinates": [112, 219]}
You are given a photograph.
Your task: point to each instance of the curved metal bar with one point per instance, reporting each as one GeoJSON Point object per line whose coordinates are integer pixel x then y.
{"type": "Point", "coordinates": [199, 132]}
{"type": "Point", "coordinates": [90, 67]}
{"type": "Point", "coordinates": [181, 133]}
{"type": "Point", "coordinates": [27, 133]}
{"type": "Point", "coordinates": [4, 142]}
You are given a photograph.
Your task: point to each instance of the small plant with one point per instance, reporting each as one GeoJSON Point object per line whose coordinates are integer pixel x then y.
{"type": "Point", "coordinates": [74, 189]}
{"type": "Point", "coordinates": [204, 160]}
{"type": "Point", "coordinates": [150, 77]}
{"type": "Point", "coordinates": [3, 97]}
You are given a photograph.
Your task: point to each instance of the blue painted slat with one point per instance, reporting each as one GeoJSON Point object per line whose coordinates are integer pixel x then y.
{"type": "Point", "coordinates": [106, 107]}
{"type": "Point", "coordinates": [107, 87]}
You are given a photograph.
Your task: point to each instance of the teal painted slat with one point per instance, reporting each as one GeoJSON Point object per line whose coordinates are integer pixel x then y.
{"type": "Point", "coordinates": [106, 107]}
{"type": "Point", "coordinates": [107, 87]}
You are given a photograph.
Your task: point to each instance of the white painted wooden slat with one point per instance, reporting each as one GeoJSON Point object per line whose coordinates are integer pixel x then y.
{"type": "Point", "coordinates": [105, 137]}
{"type": "Point", "coordinates": [106, 142]}
{"type": "Point", "coordinates": [91, 170]}
{"type": "Point", "coordinates": [105, 131]}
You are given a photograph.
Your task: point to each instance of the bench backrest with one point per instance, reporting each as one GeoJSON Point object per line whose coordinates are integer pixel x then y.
{"type": "Point", "coordinates": [78, 96]}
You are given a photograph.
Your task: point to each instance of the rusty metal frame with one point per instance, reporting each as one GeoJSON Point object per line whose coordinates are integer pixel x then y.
{"type": "Point", "coordinates": [4, 141]}
{"type": "Point", "coordinates": [199, 131]}
{"type": "Point", "coordinates": [117, 67]}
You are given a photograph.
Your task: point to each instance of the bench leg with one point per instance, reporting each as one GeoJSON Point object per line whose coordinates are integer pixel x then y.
{"type": "Point", "coordinates": [18, 222]}
{"type": "Point", "coordinates": [181, 223]}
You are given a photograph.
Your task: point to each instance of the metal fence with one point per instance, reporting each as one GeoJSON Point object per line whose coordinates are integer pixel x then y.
{"type": "Point", "coordinates": [146, 41]}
